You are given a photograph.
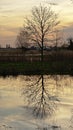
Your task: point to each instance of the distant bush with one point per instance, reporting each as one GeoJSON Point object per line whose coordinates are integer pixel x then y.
{"type": "Point", "coordinates": [70, 41]}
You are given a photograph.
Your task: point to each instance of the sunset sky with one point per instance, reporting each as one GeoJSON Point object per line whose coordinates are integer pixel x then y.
{"type": "Point", "coordinates": [12, 13]}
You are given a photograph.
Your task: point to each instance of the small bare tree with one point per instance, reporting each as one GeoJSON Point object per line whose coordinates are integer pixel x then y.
{"type": "Point", "coordinates": [23, 39]}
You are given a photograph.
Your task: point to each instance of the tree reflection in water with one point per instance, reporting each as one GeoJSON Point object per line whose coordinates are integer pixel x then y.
{"type": "Point", "coordinates": [41, 99]}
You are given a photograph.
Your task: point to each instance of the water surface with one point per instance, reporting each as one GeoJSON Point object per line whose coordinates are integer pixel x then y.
{"type": "Point", "coordinates": [22, 104]}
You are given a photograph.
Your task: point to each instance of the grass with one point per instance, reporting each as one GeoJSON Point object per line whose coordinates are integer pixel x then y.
{"type": "Point", "coordinates": [60, 62]}
{"type": "Point", "coordinates": [28, 68]}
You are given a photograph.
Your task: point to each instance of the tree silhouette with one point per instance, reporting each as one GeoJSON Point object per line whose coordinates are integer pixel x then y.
{"type": "Point", "coordinates": [41, 26]}
{"type": "Point", "coordinates": [23, 39]}
{"type": "Point", "coordinates": [70, 41]}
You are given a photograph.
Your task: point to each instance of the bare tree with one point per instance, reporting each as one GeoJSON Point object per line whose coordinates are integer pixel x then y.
{"type": "Point", "coordinates": [40, 27]}
{"type": "Point", "coordinates": [23, 39]}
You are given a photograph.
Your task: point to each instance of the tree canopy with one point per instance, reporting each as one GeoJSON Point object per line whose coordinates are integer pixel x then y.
{"type": "Point", "coordinates": [39, 28]}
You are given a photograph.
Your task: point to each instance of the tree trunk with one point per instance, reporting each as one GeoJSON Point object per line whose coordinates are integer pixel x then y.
{"type": "Point", "coordinates": [42, 56]}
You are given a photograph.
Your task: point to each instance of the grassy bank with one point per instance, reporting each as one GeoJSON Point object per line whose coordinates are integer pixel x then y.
{"type": "Point", "coordinates": [27, 68]}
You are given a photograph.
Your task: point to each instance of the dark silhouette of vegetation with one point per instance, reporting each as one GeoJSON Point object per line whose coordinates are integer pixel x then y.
{"type": "Point", "coordinates": [7, 45]}
{"type": "Point", "coordinates": [39, 28]}
{"type": "Point", "coordinates": [35, 68]}
{"type": "Point", "coordinates": [70, 42]}
{"type": "Point", "coordinates": [23, 39]}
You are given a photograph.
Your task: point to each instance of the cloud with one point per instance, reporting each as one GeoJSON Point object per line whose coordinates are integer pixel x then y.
{"type": "Point", "coordinates": [8, 31]}
{"type": "Point", "coordinates": [68, 31]}
{"type": "Point", "coordinates": [6, 11]}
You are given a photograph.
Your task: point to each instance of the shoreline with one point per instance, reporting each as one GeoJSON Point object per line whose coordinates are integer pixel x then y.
{"type": "Point", "coordinates": [36, 68]}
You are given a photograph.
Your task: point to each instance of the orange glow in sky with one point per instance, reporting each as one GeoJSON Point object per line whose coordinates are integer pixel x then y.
{"type": "Point", "coordinates": [12, 13]}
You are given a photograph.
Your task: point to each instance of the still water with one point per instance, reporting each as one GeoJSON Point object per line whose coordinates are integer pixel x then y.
{"type": "Point", "coordinates": [36, 102]}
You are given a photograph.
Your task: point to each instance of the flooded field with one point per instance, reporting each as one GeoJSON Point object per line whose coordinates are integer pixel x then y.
{"type": "Point", "coordinates": [41, 102]}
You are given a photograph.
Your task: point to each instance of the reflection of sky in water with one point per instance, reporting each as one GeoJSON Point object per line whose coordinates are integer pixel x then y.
{"type": "Point", "coordinates": [12, 107]}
